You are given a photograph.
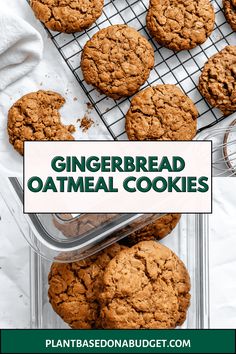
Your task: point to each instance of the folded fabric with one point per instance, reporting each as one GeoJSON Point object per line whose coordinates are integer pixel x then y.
{"type": "Point", "coordinates": [21, 48]}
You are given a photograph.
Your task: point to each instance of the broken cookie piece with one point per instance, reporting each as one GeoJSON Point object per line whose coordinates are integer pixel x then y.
{"type": "Point", "coordinates": [67, 16]}
{"type": "Point", "coordinates": [35, 117]}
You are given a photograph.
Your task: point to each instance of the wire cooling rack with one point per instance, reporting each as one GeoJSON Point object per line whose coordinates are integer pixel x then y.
{"type": "Point", "coordinates": [180, 68]}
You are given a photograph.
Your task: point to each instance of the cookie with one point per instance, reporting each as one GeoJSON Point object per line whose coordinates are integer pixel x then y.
{"type": "Point", "coordinates": [180, 24]}
{"type": "Point", "coordinates": [161, 112]}
{"type": "Point", "coordinates": [34, 117]}
{"type": "Point", "coordinates": [67, 16]}
{"type": "Point", "coordinates": [230, 12]}
{"type": "Point", "coordinates": [218, 80]}
{"type": "Point", "coordinates": [145, 287]}
{"type": "Point", "coordinates": [83, 224]}
{"type": "Point", "coordinates": [74, 288]}
{"type": "Point", "coordinates": [155, 231]}
{"type": "Point", "coordinates": [117, 61]}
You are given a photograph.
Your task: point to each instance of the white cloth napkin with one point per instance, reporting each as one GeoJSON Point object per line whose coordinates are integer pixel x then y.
{"type": "Point", "coordinates": [21, 48]}
{"type": "Point", "coordinates": [53, 74]}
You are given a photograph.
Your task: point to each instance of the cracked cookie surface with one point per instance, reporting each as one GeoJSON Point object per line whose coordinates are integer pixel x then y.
{"type": "Point", "coordinates": [35, 117]}
{"type": "Point", "coordinates": [117, 61]}
{"type": "Point", "coordinates": [67, 16]}
{"type": "Point", "coordinates": [161, 112]}
{"type": "Point", "coordinates": [230, 12]}
{"type": "Point", "coordinates": [180, 24]}
{"type": "Point", "coordinates": [146, 286]}
{"type": "Point", "coordinates": [154, 231]}
{"type": "Point", "coordinates": [218, 80]}
{"type": "Point", "coordinates": [74, 288]}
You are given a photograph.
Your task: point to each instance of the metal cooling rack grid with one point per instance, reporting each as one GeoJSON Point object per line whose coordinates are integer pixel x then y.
{"type": "Point", "coordinates": [182, 68]}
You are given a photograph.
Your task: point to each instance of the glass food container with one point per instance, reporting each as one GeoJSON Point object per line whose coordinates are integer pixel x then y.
{"type": "Point", "coordinates": [67, 237]}
{"type": "Point", "coordinates": [62, 238]}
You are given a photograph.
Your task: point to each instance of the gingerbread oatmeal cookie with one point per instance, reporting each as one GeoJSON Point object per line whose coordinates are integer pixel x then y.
{"type": "Point", "coordinates": [230, 12]}
{"type": "Point", "coordinates": [180, 24]}
{"type": "Point", "coordinates": [161, 112]}
{"type": "Point", "coordinates": [154, 231]}
{"type": "Point", "coordinates": [81, 225]}
{"type": "Point", "coordinates": [34, 117]}
{"type": "Point", "coordinates": [67, 16]}
{"type": "Point", "coordinates": [117, 61]}
{"type": "Point", "coordinates": [218, 80]}
{"type": "Point", "coordinates": [146, 286]}
{"type": "Point", "coordinates": [74, 288]}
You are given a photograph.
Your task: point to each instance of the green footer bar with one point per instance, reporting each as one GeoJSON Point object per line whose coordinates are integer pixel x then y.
{"type": "Point", "coordinates": [118, 341]}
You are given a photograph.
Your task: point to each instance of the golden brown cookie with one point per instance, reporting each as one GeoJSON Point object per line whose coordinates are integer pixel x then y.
{"type": "Point", "coordinates": [180, 24]}
{"type": "Point", "coordinates": [74, 288]}
{"type": "Point", "coordinates": [67, 16]}
{"type": "Point", "coordinates": [161, 112]}
{"type": "Point", "coordinates": [218, 80]}
{"type": "Point", "coordinates": [145, 286]}
{"type": "Point", "coordinates": [34, 117]}
{"type": "Point", "coordinates": [230, 12]}
{"type": "Point", "coordinates": [117, 61]}
{"type": "Point", "coordinates": [155, 231]}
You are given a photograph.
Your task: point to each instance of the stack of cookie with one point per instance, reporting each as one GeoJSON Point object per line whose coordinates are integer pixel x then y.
{"type": "Point", "coordinates": [137, 283]}
{"type": "Point", "coordinates": [145, 286]}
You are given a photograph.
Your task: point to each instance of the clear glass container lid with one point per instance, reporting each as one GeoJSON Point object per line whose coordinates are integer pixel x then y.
{"type": "Point", "coordinates": [70, 237]}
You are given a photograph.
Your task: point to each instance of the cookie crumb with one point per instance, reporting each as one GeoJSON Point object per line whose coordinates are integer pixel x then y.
{"type": "Point", "coordinates": [89, 106]}
{"type": "Point", "coordinates": [86, 123]}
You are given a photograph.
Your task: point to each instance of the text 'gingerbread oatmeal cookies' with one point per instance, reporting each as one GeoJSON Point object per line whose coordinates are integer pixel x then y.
{"type": "Point", "coordinates": [161, 112]}
{"type": "Point", "coordinates": [180, 24]}
{"type": "Point", "coordinates": [154, 231]}
{"type": "Point", "coordinates": [230, 12]}
{"type": "Point", "coordinates": [35, 117]}
{"type": "Point", "coordinates": [67, 16]}
{"type": "Point", "coordinates": [117, 61]}
{"type": "Point", "coordinates": [146, 286]}
{"type": "Point", "coordinates": [74, 288]}
{"type": "Point", "coordinates": [218, 80]}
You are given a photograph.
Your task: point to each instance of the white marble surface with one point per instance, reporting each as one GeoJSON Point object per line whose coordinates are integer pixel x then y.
{"type": "Point", "coordinates": [14, 263]}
